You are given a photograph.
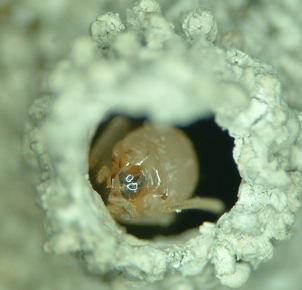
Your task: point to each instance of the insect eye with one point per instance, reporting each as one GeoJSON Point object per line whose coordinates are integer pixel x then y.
{"type": "Point", "coordinates": [131, 180]}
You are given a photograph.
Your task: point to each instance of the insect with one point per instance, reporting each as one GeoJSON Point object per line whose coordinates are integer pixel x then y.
{"type": "Point", "coordinates": [154, 173]}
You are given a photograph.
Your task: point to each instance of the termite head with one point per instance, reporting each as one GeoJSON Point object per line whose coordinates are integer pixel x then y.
{"type": "Point", "coordinates": [132, 181]}
{"type": "Point", "coordinates": [132, 177]}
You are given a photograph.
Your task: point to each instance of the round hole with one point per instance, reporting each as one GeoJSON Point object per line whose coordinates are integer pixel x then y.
{"type": "Point", "coordinates": [219, 177]}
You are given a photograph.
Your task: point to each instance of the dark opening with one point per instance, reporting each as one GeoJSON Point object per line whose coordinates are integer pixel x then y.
{"type": "Point", "coordinates": [219, 177]}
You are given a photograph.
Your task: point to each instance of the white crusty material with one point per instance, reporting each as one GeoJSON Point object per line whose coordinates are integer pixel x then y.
{"type": "Point", "coordinates": [105, 28]}
{"type": "Point", "coordinates": [170, 80]}
{"type": "Point", "coordinates": [200, 23]}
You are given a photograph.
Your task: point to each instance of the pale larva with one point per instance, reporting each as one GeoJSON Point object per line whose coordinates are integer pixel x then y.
{"type": "Point", "coordinates": [154, 173]}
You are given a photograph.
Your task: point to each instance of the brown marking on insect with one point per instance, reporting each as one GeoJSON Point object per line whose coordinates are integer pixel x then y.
{"type": "Point", "coordinates": [154, 173]}
{"type": "Point", "coordinates": [164, 196]}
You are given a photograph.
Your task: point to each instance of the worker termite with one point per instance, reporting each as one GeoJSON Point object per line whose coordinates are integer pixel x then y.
{"type": "Point", "coordinates": [154, 173]}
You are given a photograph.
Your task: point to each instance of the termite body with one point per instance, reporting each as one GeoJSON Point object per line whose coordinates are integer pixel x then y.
{"type": "Point", "coordinates": [154, 173]}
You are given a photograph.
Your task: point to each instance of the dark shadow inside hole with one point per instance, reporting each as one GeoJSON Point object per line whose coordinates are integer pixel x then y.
{"type": "Point", "coordinates": [219, 177]}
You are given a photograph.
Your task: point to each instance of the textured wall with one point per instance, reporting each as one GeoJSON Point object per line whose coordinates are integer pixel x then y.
{"type": "Point", "coordinates": [34, 37]}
